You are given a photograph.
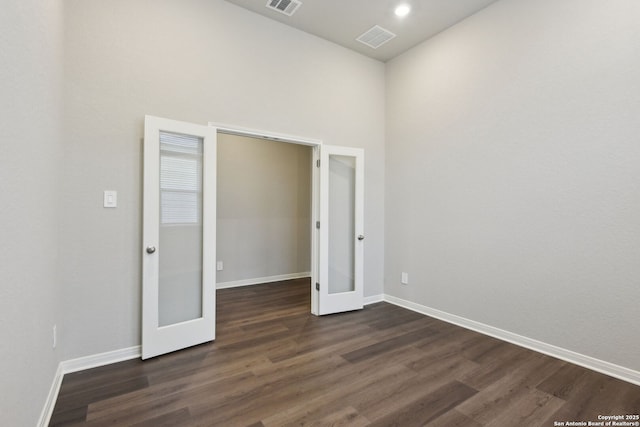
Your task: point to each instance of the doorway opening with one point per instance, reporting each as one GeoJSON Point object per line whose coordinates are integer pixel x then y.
{"type": "Point", "coordinates": [264, 211]}
{"type": "Point", "coordinates": [305, 153]}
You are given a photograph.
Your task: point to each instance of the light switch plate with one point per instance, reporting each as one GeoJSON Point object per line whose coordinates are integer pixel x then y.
{"type": "Point", "coordinates": [110, 199]}
{"type": "Point", "coordinates": [404, 279]}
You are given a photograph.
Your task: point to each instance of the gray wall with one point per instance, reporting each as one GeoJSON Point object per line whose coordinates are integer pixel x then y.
{"type": "Point", "coordinates": [264, 208]}
{"type": "Point", "coordinates": [197, 61]}
{"type": "Point", "coordinates": [512, 187]}
{"type": "Point", "coordinates": [30, 108]}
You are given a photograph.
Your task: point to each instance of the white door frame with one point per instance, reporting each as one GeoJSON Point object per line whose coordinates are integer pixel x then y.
{"type": "Point", "coordinates": [315, 191]}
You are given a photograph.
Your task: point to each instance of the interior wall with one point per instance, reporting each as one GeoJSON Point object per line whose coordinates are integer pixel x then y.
{"type": "Point", "coordinates": [512, 192]}
{"type": "Point", "coordinates": [196, 61]}
{"type": "Point", "coordinates": [264, 208]}
{"type": "Point", "coordinates": [30, 115]}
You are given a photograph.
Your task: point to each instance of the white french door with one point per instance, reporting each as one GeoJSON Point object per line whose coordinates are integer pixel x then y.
{"type": "Point", "coordinates": [179, 236]}
{"type": "Point", "coordinates": [341, 229]}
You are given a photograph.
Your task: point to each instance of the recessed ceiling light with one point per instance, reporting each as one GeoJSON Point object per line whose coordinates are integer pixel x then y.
{"type": "Point", "coordinates": [403, 10]}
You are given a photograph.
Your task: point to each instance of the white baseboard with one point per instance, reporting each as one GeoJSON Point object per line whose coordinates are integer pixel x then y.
{"type": "Point", "coordinates": [373, 299]}
{"type": "Point", "coordinates": [260, 280]}
{"type": "Point", "coordinates": [47, 411]}
{"type": "Point", "coordinates": [80, 364]}
{"type": "Point", "coordinates": [588, 362]}
{"type": "Point", "coordinates": [101, 359]}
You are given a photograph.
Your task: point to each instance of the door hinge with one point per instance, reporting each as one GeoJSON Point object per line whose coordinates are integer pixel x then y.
{"type": "Point", "coordinates": [318, 224]}
{"type": "Point", "coordinates": [317, 286]}
{"type": "Point", "coordinates": [318, 163]}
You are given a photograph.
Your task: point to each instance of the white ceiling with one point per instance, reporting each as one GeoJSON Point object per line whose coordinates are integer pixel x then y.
{"type": "Point", "coordinates": [342, 21]}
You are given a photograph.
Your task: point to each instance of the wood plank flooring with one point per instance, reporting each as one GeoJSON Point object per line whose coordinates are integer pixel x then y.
{"type": "Point", "coordinates": [273, 364]}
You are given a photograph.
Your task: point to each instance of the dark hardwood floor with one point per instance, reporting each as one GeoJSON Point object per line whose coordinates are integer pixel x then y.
{"type": "Point", "coordinates": [274, 364]}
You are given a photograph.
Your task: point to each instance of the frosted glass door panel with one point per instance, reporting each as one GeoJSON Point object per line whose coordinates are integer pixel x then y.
{"type": "Point", "coordinates": [178, 236]}
{"type": "Point", "coordinates": [180, 239]}
{"type": "Point", "coordinates": [341, 235]}
{"type": "Point", "coordinates": [342, 181]}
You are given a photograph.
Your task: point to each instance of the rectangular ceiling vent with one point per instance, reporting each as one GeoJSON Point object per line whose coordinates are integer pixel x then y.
{"type": "Point", "coordinates": [376, 37]}
{"type": "Point", "coordinates": [288, 7]}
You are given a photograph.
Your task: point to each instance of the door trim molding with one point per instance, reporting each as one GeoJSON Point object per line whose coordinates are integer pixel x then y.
{"type": "Point", "coordinates": [264, 134]}
{"type": "Point", "coordinates": [315, 184]}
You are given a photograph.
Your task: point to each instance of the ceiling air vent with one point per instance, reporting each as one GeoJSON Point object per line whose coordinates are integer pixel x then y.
{"type": "Point", "coordinates": [288, 7]}
{"type": "Point", "coordinates": [376, 37]}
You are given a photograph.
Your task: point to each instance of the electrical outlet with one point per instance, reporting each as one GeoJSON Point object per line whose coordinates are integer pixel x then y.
{"type": "Point", "coordinates": [219, 266]}
{"type": "Point", "coordinates": [54, 336]}
{"type": "Point", "coordinates": [404, 279]}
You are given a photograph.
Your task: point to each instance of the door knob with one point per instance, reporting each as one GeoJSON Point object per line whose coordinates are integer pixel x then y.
{"type": "Point", "coordinates": [360, 237]}
{"type": "Point", "coordinates": [151, 249]}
